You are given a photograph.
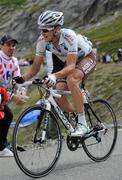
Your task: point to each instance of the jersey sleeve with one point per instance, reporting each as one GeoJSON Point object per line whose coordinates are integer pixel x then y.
{"type": "Point", "coordinates": [41, 46]}
{"type": "Point", "coordinates": [84, 44]}
{"type": "Point", "coordinates": [71, 42]}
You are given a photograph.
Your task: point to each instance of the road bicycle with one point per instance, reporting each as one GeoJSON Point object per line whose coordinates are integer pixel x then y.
{"type": "Point", "coordinates": [42, 140]}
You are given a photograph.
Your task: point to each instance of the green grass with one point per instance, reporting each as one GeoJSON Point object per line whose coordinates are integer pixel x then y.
{"type": "Point", "coordinates": [11, 2]}
{"type": "Point", "coordinates": [107, 37]}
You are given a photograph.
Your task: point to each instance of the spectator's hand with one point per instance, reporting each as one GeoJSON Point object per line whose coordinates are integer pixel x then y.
{"type": "Point", "coordinates": [19, 79]}
{"type": "Point", "coordinates": [50, 80]}
{"type": "Point", "coordinates": [18, 100]}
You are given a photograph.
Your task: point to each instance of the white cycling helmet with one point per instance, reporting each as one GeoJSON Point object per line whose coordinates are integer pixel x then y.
{"type": "Point", "coordinates": [50, 19]}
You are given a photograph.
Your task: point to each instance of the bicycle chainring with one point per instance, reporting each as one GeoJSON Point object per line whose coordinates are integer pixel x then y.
{"type": "Point", "coordinates": [72, 143]}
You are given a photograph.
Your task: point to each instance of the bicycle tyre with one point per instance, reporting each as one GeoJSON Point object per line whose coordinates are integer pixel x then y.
{"type": "Point", "coordinates": [36, 159]}
{"type": "Point", "coordinates": [100, 151]}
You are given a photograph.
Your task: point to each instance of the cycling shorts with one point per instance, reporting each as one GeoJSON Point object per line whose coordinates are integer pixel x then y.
{"type": "Point", "coordinates": [87, 64]}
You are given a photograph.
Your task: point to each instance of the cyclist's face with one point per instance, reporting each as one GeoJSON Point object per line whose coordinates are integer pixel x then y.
{"type": "Point", "coordinates": [47, 34]}
{"type": "Point", "coordinates": [9, 48]}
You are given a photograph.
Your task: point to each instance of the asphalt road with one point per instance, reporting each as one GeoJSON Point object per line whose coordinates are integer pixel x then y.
{"type": "Point", "coordinates": [72, 166]}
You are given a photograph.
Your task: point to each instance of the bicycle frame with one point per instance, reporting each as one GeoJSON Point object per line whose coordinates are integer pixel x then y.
{"type": "Point", "coordinates": [50, 103]}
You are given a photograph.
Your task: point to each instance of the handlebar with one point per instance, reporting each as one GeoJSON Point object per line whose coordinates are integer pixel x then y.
{"type": "Point", "coordinates": [50, 91]}
{"type": "Point", "coordinates": [37, 82]}
{"type": "Point", "coordinates": [40, 83]}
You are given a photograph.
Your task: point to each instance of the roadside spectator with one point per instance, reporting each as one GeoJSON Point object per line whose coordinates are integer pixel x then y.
{"type": "Point", "coordinates": [119, 54]}
{"type": "Point", "coordinates": [9, 68]}
{"type": "Point", "coordinates": [108, 58]}
{"type": "Point", "coordinates": [104, 58]}
{"type": "Point", "coordinates": [23, 62]}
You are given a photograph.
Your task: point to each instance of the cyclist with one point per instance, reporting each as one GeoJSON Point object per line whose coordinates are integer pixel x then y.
{"type": "Point", "coordinates": [8, 68]}
{"type": "Point", "coordinates": [73, 60]}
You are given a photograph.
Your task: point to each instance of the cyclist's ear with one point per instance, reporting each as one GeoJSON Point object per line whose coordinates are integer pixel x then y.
{"type": "Point", "coordinates": [56, 29]}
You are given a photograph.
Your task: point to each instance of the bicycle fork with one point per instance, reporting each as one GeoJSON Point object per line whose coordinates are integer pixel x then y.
{"type": "Point", "coordinates": [41, 137]}
{"type": "Point", "coordinates": [46, 120]}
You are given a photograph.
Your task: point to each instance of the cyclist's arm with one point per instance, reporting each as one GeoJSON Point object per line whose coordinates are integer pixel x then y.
{"type": "Point", "coordinates": [34, 68]}
{"type": "Point", "coordinates": [70, 66]}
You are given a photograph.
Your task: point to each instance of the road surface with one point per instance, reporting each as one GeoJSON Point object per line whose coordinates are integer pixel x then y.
{"type": "Point", "coordinates": [72, 166]}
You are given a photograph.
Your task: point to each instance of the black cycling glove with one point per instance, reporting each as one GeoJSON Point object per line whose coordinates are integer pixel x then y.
{"type": "Point", "coordinates": [19, 79]}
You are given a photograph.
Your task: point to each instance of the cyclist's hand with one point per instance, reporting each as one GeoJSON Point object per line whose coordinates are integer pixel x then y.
{"type": "Point", "coordinates": [50, 80]}
{"type": "Point", "coordinates": [19, 79]}
{"type": "Point", "coordinates": [18, 100]}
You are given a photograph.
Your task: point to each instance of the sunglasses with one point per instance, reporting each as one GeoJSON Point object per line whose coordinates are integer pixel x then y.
{"type": "Point", "coordinates": [47, 30]}
{"type": "Point", "coordinates": [44, 30]}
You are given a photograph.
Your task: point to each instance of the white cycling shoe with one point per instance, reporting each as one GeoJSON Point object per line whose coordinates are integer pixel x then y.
{"type": "Point", "coordinates": [6, 153]}
{"type": "Point", "coordinates": [80, 131]}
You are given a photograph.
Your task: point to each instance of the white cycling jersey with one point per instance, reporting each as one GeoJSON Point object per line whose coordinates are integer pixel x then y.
{"type": "Point", "coordinates": [69, 43]}
{"type": "Point", "coordinates": [9, 68]}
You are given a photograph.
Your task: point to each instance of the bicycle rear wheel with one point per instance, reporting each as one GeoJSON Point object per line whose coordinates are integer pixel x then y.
{"type": "Point", "coordinates": [36, 147]}
{"type": "Point", "coordinates": [99, 146]}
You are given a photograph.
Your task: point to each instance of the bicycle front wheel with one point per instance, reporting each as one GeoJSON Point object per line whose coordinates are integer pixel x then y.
{"type": "Point", "coordinates": [36, 146]}
{"type": "Point", "coordinates": [99, 146]}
